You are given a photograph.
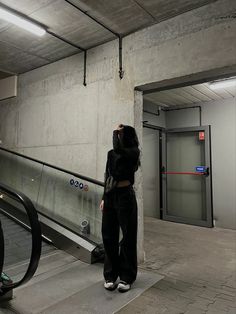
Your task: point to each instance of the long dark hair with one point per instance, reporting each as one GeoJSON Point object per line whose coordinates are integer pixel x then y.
{"type": "Point", "coordinates": [129, 139]}
{"type": "Point", "coordinates": [129, 136]}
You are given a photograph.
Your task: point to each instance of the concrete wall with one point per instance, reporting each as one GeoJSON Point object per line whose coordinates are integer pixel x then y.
{"type": "Point", "coordinates": [57, 119]}
{"type": "Point", "coordinates": [183, 118]}
{"type": "Point", "coordinates": [157, 120]}
{"type": "Point", "coordinates": [8, 87]}
{"type": "Point", "coordinates": [221, 115]}
{"type": "Point", "coordinates": [151, 173]}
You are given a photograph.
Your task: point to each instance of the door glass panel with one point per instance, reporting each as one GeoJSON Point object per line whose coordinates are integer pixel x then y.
{"type": "Point", "coordinates": [186, 193]}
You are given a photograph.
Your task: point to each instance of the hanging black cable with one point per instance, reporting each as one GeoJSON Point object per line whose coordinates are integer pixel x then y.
{"type": "Point", "coordinates": [85, 67]}
{"type": "Point", "coordinates": [154, 113]}
{"type": "Point", "coordinates": [121, 71]}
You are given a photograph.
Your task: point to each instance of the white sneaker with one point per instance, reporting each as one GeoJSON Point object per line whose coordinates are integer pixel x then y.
{"type": "Point", "coordinates": [123, 286]}
{"type": "Point", "coordinates": [110, 285]}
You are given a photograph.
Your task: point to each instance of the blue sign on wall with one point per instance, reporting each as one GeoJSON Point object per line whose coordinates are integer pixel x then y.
{"type": "Point", "coordinates": [200, 169]}
{"type": "Point", "coordinates": [79, 185]}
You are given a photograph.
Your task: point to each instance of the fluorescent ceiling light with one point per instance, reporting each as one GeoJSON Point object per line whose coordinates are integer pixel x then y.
{"type": "Point", "coordinates": [21, 22]}
{"type": "Point", "coordinates": [223, 84]}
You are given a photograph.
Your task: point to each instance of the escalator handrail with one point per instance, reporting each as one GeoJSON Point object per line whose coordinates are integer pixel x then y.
{"type": "Point", "coordinates": [75, 174]}
{"type": "Point", "coordinates": [36, 236]}
{"type": "Point", "coordinates": [1, 248]}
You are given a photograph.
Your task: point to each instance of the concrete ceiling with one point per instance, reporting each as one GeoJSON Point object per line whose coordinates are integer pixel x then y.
{"type": "Point", "coordinates": [4, 75]}
{"type": "Point", "coordinates": [190, 95]}
{"type": "Point", "coordinates": [21, 51]}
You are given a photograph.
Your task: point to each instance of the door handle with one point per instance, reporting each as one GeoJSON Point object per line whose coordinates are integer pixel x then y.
{"type": "Point", "coordinates": [207, 172]}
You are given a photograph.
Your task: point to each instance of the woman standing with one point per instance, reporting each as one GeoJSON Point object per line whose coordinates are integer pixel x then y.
{"type": "Point", "coordinates": [119, 208]}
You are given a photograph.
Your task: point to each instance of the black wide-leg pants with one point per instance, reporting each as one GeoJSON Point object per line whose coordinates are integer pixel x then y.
{"type": "Point", "coordinates": [120, 212]}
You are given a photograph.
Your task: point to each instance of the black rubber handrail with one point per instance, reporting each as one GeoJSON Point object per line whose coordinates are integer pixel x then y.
{"type": "Point", "coordinates": [1, 249]}
{"type": "Point", "coordinates": [75, 174]}
{"type": "Point", "coordinates": [36, 237]}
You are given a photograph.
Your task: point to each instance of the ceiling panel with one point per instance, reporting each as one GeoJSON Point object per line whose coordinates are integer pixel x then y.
{"type": "Point", "coordinates": [12, 63]}
{"type": "Point", "coordinates": [190, 95]}
{"type": "Point", "coordinates": [27, 6]}
{"type": "Point", "coordinates": [4, 75]}
{"type": "Point", "coordinates": [122, 16]}
{"type": "Point", "coordinates": [47, 47]}
{"type": "Point", "coordinates": [162, 9]}
{"type": "Point", "coordinates": [185, 94]}
{"type": "Point", "coordinates": [196, 93]}
{"type": "Point", "coordinates": [222, 93]}
{"type": "Point", "coordinates": [231, 90]}
{"type": "Point", "coordinates": [3, 25]}
{"type": "Point", "coordinates": [178, 99]}
{"type": "Point", "coordinates": [64, 20]}
{"type": "Point", "coordinates": [161, 99]}
{"type": "Point", "coordinates": [26, 52]}
{"type": "Point", "coordinates": [204, 89]}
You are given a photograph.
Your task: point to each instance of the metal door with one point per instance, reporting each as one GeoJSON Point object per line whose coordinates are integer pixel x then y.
{"type": "Point", "coordinates": [186, 176]}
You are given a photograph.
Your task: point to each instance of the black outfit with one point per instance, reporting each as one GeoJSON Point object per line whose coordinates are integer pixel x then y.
{"type": "Point", "coordinates": [120, 211]}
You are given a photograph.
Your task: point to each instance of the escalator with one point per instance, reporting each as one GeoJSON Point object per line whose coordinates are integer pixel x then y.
{"type": "Point", "coordinates": [67, 203]}
{"type": "Point", "coordinates": [56, 212]}
{"type": "Point", "coordinates": [18, 241]}
{"type": "Point", "coordinates": [6, 283]}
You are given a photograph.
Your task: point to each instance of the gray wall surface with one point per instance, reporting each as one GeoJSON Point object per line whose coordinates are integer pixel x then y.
{"type": "Point", "coordinates": [153, 119]}
{"type": "Point", "coordinates": [56, 119]}
{"type": "Point", "coordinates": [182, 118]}
{"type": "Point", "coordinates": [8, 87]}
{"type": "Point", "coordinates": [151, 173]}
{"type": "Point", "coordinates": [221, 115]}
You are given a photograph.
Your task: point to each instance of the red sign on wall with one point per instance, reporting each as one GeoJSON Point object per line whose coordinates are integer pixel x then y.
{"type": "Point", "coordinates": [201, 136]}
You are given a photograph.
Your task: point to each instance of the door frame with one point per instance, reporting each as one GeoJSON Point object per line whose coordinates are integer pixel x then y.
{"type": "Point", "coordinates": [159, 135]}
{"type": "Point", "coordinates": [209, 207]}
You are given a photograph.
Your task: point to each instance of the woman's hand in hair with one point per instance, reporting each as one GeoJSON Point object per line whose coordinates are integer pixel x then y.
{"type": "Point", "coordinates": [102, 205]}
{"type": "Point", "coordinates": [120, 127]}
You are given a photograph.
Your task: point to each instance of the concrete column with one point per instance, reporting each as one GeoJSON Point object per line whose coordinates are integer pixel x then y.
{"type": "Point", "coordinates": [138, 109]}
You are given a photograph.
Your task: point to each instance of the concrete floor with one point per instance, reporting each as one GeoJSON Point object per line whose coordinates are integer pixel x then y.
{"type": "Point", "coordinates": [199, 265]}
{"type": "Point", "coordinates": [63, 284]}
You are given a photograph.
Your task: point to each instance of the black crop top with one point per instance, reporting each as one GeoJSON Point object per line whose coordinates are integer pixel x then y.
{"type": "Point", "coordinates": [122, 162]}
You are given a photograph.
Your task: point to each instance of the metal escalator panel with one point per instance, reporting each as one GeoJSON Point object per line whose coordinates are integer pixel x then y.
{"type": "Point", "coordinates": [22, 248]}
{"type": "Point", "coordinates": [67, 203]}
